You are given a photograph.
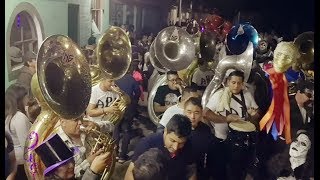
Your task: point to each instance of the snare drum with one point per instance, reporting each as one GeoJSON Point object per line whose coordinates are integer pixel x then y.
{"type": "Point", "coordinates": [242, 134]}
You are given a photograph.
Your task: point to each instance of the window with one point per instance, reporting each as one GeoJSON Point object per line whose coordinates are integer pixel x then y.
{"type": "Point", "coordinates": [24, 33]}
{"type": "Point", "coordinates": [97, 13]}
{"type": "Point", "coordinates": [23, 36]}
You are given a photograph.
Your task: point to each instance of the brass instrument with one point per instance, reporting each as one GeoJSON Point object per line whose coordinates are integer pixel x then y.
{"type": "Point", "coordinates": [121, 102]}
{"type": "Point", "coordinates": [114, 53]}
{"type": "Point", "coordinates": [241, 62]}
{"type": "Point", "coordinates": [114, 58]}
{"type": "Point", "coordinates": [172, 49]}
{"type": "Point", "coordinates": [159, 81]}
{"type": "Point", "coordinates": [97, 140]}
{"type": "Point", "coordinates": [62, 86]}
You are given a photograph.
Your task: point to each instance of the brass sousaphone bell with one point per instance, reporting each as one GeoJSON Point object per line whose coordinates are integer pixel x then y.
{"type": "Point", "coordinates": [62, 86]}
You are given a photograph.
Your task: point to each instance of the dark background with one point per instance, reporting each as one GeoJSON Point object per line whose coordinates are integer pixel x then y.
{"type": "Point", "coordinates": [288, 18]}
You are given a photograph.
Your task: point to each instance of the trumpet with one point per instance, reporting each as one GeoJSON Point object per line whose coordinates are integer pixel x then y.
{"type": "Point", "coordinates": [96, 141]}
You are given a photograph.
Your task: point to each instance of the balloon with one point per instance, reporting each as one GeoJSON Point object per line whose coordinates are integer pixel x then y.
{"type": "Point", "coordinates": [239, 36]}
{"type": "Point", "coordinates": [292, 75]}
{"type": "Point", "coordinates": [252, 34]}
{"type": "Point", "coordinates": [226, 28]}
{"type": "Point", "coordinates": [214, 22]}
{"type": "Point", "coordinates": [237, 41]}
{"type": "Point", "coordinates": [208, 42]}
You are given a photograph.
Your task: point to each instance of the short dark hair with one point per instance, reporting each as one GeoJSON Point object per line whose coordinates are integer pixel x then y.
{"type": "Point", "coordinates": [302, 85]}
{"type": "Point", "coordinates": [193, 100]}
{"type": "Point", "coordinates": [189, 89]}
{"type": "Point", "coordinates": [236, 73]}
{"type": "Point", "coordinates": [172, 72]}
{"type": "Point", "coordinates": [152, 164]}
{"type": "Point", "coordinates": [180, 125]}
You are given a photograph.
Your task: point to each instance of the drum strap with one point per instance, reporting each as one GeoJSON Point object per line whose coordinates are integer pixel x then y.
{"type": "Point", "coordinates": [242, 102]}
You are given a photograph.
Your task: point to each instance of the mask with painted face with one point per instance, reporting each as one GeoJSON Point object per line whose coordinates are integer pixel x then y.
{"type": "Point", "coordinates": [300, 147]}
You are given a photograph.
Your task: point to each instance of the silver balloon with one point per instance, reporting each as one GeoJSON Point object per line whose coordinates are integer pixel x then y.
{"type": "Point", "coordinates": [241, 62]}
{"type": "Point", "coordinates": [155, 61]}
{"type": "Point", "coordinates": [174, 48]}
{"type": "Point", "coordinates": [161, 80]}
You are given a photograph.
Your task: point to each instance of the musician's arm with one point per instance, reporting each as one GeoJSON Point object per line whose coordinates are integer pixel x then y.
{"type": "Point", "coordinates": [94, 111]}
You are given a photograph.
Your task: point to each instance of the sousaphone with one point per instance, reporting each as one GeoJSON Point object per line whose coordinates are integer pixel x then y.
{"type": "Point", "coordinates": [174, 49]}
{"type": "Point", "coordinates": [62, 86]}
{"type": "Point", "coordinates": [242, 62]}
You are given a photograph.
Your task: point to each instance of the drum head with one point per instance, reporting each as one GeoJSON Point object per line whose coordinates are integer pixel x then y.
{"type": "Point", "coordinates": [242, 126]}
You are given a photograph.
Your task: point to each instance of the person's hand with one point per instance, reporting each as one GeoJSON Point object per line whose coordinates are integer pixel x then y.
{"type": "Point", "coordinates": [252, 111]}
{"type": "Point", "coordinates": [100, 162]}
{"type": "Point", "coordinates": [111, 109]}
{"type": "Point", "coordinates": [93, 155]}
{"type": "Point", "coordinates": [90, 125]}
{"type": "Point", "coordinates": [233, 117]}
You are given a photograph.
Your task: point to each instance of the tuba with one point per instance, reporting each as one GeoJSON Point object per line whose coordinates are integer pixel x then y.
{"type": "Point", "coordinates": [172, 49]}
{"type": "Point", "coordinates": [97, 140]}
{"type": "Point", "coordinates": [62, 86]}
{"type": "Point", "coordinates": [114, 58]}
{"type": "Point", "coordinates": [241, 62]}
{"type": "Point", "coordinates": [121, 102]}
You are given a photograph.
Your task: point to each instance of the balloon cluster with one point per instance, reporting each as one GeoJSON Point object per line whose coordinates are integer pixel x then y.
{"type": "Point", "coordinates": [218, 25]}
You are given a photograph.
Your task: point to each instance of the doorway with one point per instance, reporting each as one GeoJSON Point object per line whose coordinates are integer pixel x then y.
{"type": "Point", "coordinates": [73, 22]}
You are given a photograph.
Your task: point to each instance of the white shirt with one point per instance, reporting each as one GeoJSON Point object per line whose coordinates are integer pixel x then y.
{"type": "Point", "coordinates": [19, 131]}
{"type": "Point", "coordinates": [167, 115]}
{"type": "Point", "coordinates": [80, 159]}
{"type": "Point", "coordinates": [102, 99]}
{"type": "Point", "coordinates": [202, 78]}
{"type": "Point", "coordinates": [221, 129]}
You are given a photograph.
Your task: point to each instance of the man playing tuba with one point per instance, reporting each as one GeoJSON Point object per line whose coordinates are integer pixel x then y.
{"type": "Point", "coordinates": [102, 97]}
{"type": "Point", "coordinates": [70, 133]}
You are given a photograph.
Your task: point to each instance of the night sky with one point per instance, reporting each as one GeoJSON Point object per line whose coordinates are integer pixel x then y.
{"type": "Point", "coordinates": [279, 15]}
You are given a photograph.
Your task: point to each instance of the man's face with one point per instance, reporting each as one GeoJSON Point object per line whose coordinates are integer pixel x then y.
{"type": "Point", "coordinates": [235, 84]}
{"type": "Point", "coordinates": [71, 127]}
{"type": "Point", "coordinates": [306, 98]}
{"type": "Point", "coordinates": [263, 45]}
{"type": "Point", "coordinates": [172, 80]}
{"type": "Point", "coordinates": [300, 147]}
{"type": "Point", "coordinates": [172, 142]}
{"type": "Point", "coordinates": [66, 171]}
{"type": "Point", "coordinates": [107, 83]}
{"type": "Point", "coordinates": [194, 113]}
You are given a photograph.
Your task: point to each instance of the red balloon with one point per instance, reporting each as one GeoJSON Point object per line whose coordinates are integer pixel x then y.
{"type": "Point", "coordinates": [226, 28]}
{"type": "Point", "coordinates": [214, 22]}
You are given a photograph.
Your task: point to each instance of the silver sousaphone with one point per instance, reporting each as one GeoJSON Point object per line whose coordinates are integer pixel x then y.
{"type": "Point", "coordinates": [172, 49]}
{"type": "Point", "coordinates": [242, 62]}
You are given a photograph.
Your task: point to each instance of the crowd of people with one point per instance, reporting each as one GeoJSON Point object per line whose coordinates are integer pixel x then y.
{"type": "Point", "coordinates": [191, 141]}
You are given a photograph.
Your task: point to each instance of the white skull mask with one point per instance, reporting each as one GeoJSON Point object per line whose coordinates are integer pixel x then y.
{"type": "Point", "coordinates": [300, 147]}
